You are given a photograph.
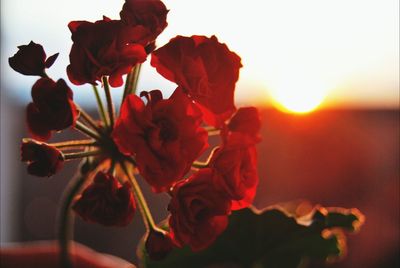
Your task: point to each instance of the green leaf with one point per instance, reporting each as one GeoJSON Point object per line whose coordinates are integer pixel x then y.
{"type": "Point", "coordinates": [272, 238]}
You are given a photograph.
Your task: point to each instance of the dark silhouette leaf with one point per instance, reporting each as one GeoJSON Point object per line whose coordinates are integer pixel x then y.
{"type": "Point", "coordinates": [272, 238]}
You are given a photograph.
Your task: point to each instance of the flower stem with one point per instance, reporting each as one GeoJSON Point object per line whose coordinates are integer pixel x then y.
{"type": "Point", "coordinates": [208, 128]}
{"type": "Point", "coordinates": [76, 155]}
{"type": "Point", "coordinates": [135, 79]}
{"type": "Point", "coordinates": [65, 227]}
{"type": "Point", "coordinates": [85, 130]}
{"type": "Point", "coordinates": [44, 74]}
{"type": "Point", "coordinates": [198, 164]}
{"type": "Point", "coordinates": [128, 83]}
{"type": "Point", "coordinates": [144, 208]}
{"type": "Point", "coordinates": [110, 104]}
{"type": "Point", "coordinates": [102, 112]}
{"type": "Point", "coordinates": [89, 120]}
{"type": "Point", "coordinates": [213, 132]}
{"type": "Point", "coordinates": [74, 143]}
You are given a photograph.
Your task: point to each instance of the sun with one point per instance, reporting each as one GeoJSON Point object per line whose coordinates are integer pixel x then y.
{"type": "Point", "coordinates": [298, 93]}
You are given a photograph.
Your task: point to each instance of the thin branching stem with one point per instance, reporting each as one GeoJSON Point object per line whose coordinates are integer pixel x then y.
{"type": "Point", "coordinates": [87, 131]}
{"type": "Point", "coordinates": [144, 208]}
{"type": "Point", "coordinates": [89, 120]}
{"type": "Point", "coordinates": [102, 111]}
{"type": "Point", "coordinates": [73, 143]}
{"type": "Point", "coordinates": [199, 164]}
{"type": "Point", "coordinates": [128, 83]}
{"type": "Point", "coordinates": [135, 79]}
{"type": "Point", "coordinates": [65, 217]}
{"type": "Point", "coordinates": [76, 155]}
{"type": "Point", "coordinates": [213, 133]}
{"type": "Point", "coordinates": [110, 104]}
{"type": "Point", "coordinates": [209, 128]}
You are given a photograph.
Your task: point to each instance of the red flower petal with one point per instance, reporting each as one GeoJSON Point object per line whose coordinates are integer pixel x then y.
{"type": "Point", "coordinates": [43, 160]}
{"type": "Point", "coordinates": [102, 48]}
{"type": "Point", "coordinates": [106, 201]}
{"type": "Point", "coordinates": [205, 69]}
{"type": "Point", "coordinates": [52, 108]}
{"type": "Point", "coordinates": [29, 60]}
{"type": "Point", "coordinates": [199, 211]}
{"type": "Point", "coordinates": [165, 136]}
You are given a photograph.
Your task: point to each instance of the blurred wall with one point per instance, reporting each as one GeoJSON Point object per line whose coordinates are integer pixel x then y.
{"type": "Point", "coordinates": [347, 158]}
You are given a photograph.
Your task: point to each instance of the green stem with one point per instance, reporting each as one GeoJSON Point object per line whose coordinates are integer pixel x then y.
{"type": "Point", "coordinates": [135, 79]}
{"type": "Point", "coordinates": [208, 128]}
{"type": "Point", "coordinates": [102, 112]}
{"type": "Point", "coordinates": [74, 143]}
{"type": "Point", "coordinates": [81, 154]}
{"type": "Point", "coordinates": [144, 208]}
{"type": "Point", "coordinates": [199, 164]}
{"type": "Point", "coordinates": [89, 120]}
{"type": "Point", "coordinates": [65, 225]}
{"type": "Point", "coordinates": [85, 130]}
{"type": "Point", "coordinates": [112, 167]}
{"type": "Point", "coordinates": [110, 104]}
{"type": "Point", "coordinates": [213, 133]}
{"type": "Point", "coordinates": [131, 160]}
{"type": "Point", "coordinates": [44, 74]}
{"type": "Point", "coordinates": [128, 83]}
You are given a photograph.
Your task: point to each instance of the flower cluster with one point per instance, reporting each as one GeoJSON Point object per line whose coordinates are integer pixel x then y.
{"type": "Point", "coordinates": [162, 139]}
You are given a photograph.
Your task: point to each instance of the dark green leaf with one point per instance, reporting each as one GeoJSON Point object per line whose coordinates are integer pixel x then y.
{"type": "Point", "coordinates": [272, 238]}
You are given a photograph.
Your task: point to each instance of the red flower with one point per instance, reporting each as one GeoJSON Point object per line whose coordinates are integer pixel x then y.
{"type": "Point", "coordinates": [43, 160]}
{"type": "Point", "coordinates": [165, 136]}
{"type": "Point", "coordinates": [238, 178]}
{"type": "Point", "coordinates": [52, 108]}
{"type": "Point", "coordinates": [206, 70]}
{"type": "Point", "coordinates": [146, 19]}
{"type": "Point", "coordinates": [106, 201]}
{"type": "Point", "coordinates": [101, 48]}
{"type": "Point", "coordinates": [246, 120]}
{"type": "Point", "coordinates": [243, 128]}
{"type": "Point", "coordinates": [236, 159]}
{"type": "Point", "coordinates": [199, 212]}
{"type": "Point", "coordinates": [158, 244]}
{"type": "Point", "coordinates": [31, 60]}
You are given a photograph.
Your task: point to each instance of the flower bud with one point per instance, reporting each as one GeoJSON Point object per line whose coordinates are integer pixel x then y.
{"type": "Point", "coordinates": [106, 201]}
{"type": "Point", "coordinates": [144, 20]}
{"type": "Point", "coordinates": [246, 120]}
{"type": "Point", "coordinates": [158, 244]}
{"type": "Point", "coordinates": [52, 108]}
{"type": "Point", "coordinates": [31, 60]}
{"type": "Point", "coordinates": [43, 160]}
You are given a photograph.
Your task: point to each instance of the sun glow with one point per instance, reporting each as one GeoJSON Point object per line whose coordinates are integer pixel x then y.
{"type": "Point", "coordinates": [298, 93]}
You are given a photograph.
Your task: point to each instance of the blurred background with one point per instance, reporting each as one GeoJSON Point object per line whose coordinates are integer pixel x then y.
{"type": "Point", "coordinates": [325, 75]}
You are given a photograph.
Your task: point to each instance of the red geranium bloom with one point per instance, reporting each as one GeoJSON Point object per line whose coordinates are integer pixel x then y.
{"type": "Point", "coordinates": [31, 60]}
{"type": "Point", "coordinates": [238, 178]}
{"type": "Point", "coordinates": [199, 212]}
{"type": "Point", "coordinates": [158, 244]}
{"type": "Point", "coordinates": [236, 159]}
{"type": "Point", "coordinates": [101, 48]}
{"type": "Point", "coordinates": [106, 201]}
{"type": "Point", "coordinates": [43, 160]}
{"type": "Point", "coordinates": [206, 70]}
{"type": "Point", "coordinates": [243, 128]}
{"type": "Point", "coordinates": [146, 19]}
{"type": "Point", "coordinates": [246, 120]}
{"type": "Point", "coordinates": [165, 136]}
{"type": "Point", "coordinates": [52, 108]}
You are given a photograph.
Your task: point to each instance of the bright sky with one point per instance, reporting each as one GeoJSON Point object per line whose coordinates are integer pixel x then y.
{"type": "Point", "coordinates": [296, 53]}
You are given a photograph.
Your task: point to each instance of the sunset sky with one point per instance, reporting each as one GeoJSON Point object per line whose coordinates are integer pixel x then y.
{"type": "Point", "coordinates": [298, 56]}
{"type": "Point", "coordinates": [295, 53]}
